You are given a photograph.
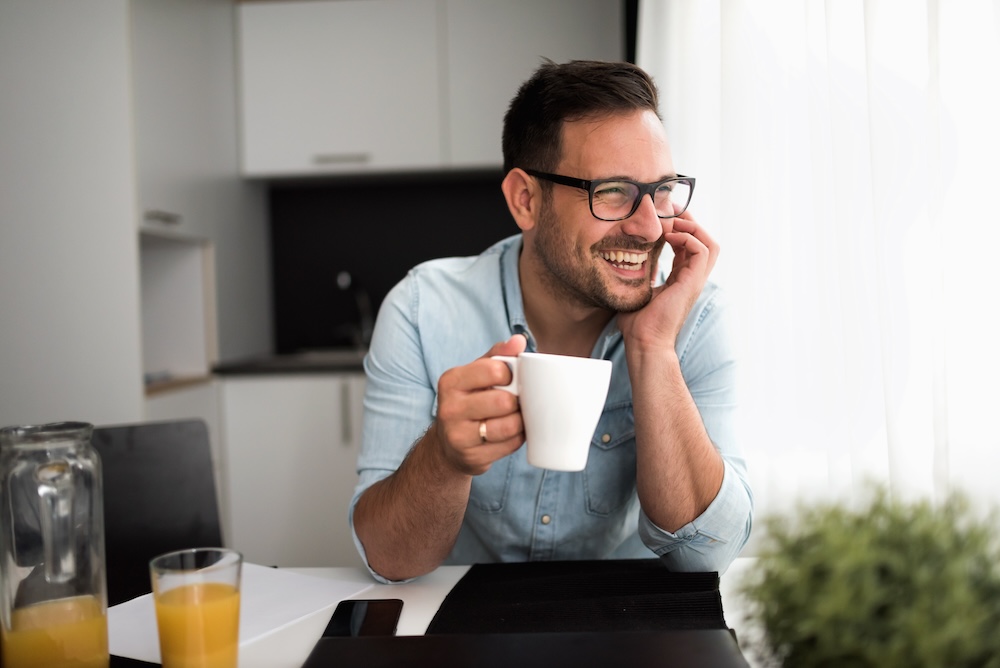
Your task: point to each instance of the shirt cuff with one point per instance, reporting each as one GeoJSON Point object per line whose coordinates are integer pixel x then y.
{"type": "Point", "coordinates": [712, 540]}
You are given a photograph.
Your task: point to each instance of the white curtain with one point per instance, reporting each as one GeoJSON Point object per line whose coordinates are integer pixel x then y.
{"type": "Point", "coordinates": [848, 161]}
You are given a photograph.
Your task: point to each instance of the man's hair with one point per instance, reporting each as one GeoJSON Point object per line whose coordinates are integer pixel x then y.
{"type": "Point", "coordinates": [555, 93]}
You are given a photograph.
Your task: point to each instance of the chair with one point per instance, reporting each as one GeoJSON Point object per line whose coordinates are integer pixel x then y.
{"type": "Point", "coordinates": [159, 496]}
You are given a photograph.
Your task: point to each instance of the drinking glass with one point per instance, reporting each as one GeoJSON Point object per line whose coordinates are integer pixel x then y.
{"type": "Point", "coordinates": [197, 597]}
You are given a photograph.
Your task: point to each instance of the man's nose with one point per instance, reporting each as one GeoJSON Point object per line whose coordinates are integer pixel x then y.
{"type": "Point", "coordinates": [644, 222]}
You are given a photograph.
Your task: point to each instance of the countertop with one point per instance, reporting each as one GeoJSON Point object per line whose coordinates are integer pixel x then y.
{"type": "Point", "coordinates": [311, 361]}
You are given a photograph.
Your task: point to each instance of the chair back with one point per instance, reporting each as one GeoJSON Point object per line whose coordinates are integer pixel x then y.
{"type": "Point", "coordinates": [159, 496]}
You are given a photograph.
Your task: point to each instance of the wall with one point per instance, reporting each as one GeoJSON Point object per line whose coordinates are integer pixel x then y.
{"type": "Point", "coordinates": [69, 316]}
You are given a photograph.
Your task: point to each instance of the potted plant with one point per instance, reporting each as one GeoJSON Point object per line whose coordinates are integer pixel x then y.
{"type": "Point", "coordinates": [885, 583]}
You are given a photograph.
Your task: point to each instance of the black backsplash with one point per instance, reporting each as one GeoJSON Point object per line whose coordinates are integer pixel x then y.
{"type": "Point", "coordinates": [375, 228]}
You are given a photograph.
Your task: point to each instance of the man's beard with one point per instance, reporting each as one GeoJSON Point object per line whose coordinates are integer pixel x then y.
{"type": "Point", "coordinates": [575, 276]}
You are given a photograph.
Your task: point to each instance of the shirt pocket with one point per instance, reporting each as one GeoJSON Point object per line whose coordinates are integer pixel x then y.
{"type": "Point", "coordinates": [609, 479]}
{"type": "Point", "coordinates": [489, 490]}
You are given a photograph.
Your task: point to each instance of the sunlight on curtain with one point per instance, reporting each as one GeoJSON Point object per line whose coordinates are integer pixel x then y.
{"type": "Point", "coordinates": [847, 159]}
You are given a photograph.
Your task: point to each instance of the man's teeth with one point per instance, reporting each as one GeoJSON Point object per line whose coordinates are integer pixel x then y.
{"type": "Point", "coordinates": [625, 260]}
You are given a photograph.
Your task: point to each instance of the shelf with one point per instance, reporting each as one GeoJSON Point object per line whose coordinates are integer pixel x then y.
{"type": "Point", "coordinates": [178, 309]}
{"type": "Point", "coordinates": [157, 387]}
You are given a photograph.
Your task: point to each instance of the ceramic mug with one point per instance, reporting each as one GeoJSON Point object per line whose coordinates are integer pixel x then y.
{"type": "Point", "coordinates": [562, 398]}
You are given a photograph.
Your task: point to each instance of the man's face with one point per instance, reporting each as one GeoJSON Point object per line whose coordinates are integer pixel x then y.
{"type": "Point", "coordinates": [595, 263]}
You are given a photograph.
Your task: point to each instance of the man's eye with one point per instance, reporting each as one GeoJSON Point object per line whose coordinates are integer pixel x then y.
{"type": "Point", "coordinates": [612, 190]}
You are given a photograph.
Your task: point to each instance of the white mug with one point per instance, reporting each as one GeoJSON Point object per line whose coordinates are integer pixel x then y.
{"type": "Point", "coordinates": [562, 398]}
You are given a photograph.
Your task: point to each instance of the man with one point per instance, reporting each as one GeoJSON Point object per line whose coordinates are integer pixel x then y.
{"type": "Point", "coordinates": [591, 184]}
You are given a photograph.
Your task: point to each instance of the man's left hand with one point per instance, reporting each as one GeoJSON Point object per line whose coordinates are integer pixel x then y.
{"type": "Point", "coordinates": [657, 324]}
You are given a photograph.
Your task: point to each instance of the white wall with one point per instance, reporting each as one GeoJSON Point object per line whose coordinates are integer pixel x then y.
{"type": "Point", "coordinates": [69, 302]}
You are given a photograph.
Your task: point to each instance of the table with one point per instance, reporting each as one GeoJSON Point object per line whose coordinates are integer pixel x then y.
{"type": "Point", "coordinates": [289, 646]}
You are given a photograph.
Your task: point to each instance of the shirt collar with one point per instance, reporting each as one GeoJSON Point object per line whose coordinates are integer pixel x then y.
{"type": "Point", "coordinates": [510, 279]}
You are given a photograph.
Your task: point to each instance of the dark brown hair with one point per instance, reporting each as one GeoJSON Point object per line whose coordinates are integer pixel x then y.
{"type": "Point", "coordinates": [532, 126]}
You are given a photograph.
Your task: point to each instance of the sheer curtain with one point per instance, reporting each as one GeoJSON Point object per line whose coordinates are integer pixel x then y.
{"type": "Point", "coordinates": [848, 159]}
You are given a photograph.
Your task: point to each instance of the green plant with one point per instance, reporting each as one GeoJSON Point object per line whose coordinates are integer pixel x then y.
{"type": "Point", "coordinates": [885, 584]}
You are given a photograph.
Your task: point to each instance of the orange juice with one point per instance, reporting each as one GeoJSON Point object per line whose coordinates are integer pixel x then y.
{"type": "Point", "coordinates": [66, 633]}
{"type": "Point", "coordinates": [199, 625]}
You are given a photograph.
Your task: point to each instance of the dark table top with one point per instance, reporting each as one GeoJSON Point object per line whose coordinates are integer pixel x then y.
{"type": "Point", "coordinates": [333, 360]}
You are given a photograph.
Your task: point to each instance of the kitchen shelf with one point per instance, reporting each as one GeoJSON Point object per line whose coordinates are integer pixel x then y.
{"type": "Point", "coordinates": [178, 310]}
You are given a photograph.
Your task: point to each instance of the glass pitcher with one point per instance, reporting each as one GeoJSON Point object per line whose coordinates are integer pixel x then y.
{"type": "Point", "coordinates": [53, 593]}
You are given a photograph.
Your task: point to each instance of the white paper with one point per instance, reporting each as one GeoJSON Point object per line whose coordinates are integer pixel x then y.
{"type": "Point", "coordinates": [270, 599]}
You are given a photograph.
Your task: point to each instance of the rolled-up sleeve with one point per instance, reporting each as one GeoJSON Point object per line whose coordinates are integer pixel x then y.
{"type": "Point", "coordinates": [711, 541]}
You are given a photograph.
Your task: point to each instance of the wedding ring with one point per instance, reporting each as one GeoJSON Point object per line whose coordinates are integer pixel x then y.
{"type": "Point", "coordinates": [482, 431]}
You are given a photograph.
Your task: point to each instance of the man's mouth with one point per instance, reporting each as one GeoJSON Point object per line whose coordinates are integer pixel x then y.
{"type": "Point", "coordinates": [625, 260]}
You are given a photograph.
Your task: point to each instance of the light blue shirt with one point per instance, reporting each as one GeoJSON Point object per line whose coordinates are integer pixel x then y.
{"type": "Point", "coordinates": [447, 313]}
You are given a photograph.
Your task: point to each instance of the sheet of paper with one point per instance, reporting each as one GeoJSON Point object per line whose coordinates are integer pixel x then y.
{"type": "Point", "coordinates": [270, 599]}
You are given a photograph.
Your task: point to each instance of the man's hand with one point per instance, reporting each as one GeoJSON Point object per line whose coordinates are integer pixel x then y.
{"type": "Point", "coordinates": [656, 325]}
{"type": "Point", "coordinates": [469, 406]}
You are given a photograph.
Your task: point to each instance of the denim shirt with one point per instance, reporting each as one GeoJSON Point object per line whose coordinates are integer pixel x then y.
{"type": "Point", "coordinates": [447, 313]}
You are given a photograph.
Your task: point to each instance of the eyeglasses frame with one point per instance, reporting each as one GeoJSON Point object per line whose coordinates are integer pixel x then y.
{"type": "Point", "coordinates": [644, 189]}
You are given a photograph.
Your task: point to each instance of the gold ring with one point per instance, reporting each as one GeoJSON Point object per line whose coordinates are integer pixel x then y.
{"type": "Point", "coordinates": [482, 431]}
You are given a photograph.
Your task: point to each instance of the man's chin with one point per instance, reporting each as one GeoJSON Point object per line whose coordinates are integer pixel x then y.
{"type": "Point", "coordinates": [629, 303]}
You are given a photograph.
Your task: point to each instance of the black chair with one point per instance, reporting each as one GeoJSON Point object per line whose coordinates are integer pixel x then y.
{"type": "Point", "coordinates": [159, 496]}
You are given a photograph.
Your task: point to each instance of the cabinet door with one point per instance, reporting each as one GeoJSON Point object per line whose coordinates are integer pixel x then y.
{"type": "Point", "coordinates": [183, 82]}
{"type": "Point", "coordinates": [493, 47]}
{"type": "Point", "coordinates": [291, 449]}
{"type": "Point", "coordinates": [340, 86]}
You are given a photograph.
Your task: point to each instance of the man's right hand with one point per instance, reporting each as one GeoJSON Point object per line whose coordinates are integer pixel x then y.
{"type": "Point", "coordinates": [469, 406]}
{"type": "Point", "coordinates": [409, 521]}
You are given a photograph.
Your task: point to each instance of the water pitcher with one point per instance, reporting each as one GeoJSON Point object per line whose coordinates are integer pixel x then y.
{"type": "Point", "coordinates": [53, 599]}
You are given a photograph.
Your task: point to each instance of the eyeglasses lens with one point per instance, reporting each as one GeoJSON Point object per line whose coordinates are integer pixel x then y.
{"type": "Point", "coordinates": [614, 200]}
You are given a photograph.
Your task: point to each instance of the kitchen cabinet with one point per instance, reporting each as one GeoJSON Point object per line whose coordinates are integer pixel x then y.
{"type": "Point", "coordinates": [355, 86]}
{"type": "Point", "coordinates": [344, 86]}
{"type": "Point", "coordinates": [291, 443]}
{"type": "Point", "coordinates": [493, 47]}
{"type": "Point", "coordinates": [182, 119]}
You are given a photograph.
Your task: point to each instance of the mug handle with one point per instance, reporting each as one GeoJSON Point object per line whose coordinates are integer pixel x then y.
{"type": "Point", "coordinates": [512, 364]}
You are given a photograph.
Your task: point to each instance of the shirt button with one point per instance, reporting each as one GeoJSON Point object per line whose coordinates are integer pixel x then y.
{"type": "Point", "coordinates": [606, 438]}
{"type": "Point", "coordinates": [546, 519]}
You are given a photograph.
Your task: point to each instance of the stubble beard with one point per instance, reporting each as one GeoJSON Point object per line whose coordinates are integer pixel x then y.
{"type": "Point", "coordinates": [578, 278]}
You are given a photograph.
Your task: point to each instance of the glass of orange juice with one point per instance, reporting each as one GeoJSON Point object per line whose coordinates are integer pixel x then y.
{"type": "Point", "coordinates": [197, 597]}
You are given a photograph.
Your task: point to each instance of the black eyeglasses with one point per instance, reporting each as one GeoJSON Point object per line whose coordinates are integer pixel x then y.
{"type": "Point", "coordinates": [617, 199]}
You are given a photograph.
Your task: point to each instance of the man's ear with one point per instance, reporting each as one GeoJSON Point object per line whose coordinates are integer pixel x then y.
{"type": "Point", "coordinates": [524, 198]}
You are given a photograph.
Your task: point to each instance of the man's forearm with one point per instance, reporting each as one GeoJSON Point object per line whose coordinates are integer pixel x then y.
{"type": "Point", "coordinates": [678, 470]}
{"type": "Point", "coordinates": [409, 521]}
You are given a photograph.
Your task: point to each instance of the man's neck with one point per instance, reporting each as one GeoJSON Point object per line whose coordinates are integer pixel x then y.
{"type": "Point", "coordinates": [559, 324]}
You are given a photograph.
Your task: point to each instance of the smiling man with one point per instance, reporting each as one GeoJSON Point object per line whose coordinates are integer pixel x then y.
{"type": "Point", "coordinates": [609, 263]}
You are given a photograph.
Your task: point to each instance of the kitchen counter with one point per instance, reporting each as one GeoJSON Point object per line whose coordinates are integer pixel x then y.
{"type": "Point", "coordinates": [311, 361]}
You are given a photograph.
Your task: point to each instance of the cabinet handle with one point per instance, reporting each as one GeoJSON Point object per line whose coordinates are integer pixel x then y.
{"type": "Point", "coordinates": [340, 158]}
{"type": "Point", "coordinates": [157, 216]}
{"type": "Point", "coordinates": [345, 415]}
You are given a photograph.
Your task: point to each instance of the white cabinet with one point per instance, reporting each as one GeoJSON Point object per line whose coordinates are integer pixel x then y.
{"type": "Point", "coordinates": [182, 117]}
{"type": "Point", "coordinates": [291, 444]}
{"type": "Point", "coordinates": [493, 47]}
{"type": "Point", "coordinates": [350, 85]}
